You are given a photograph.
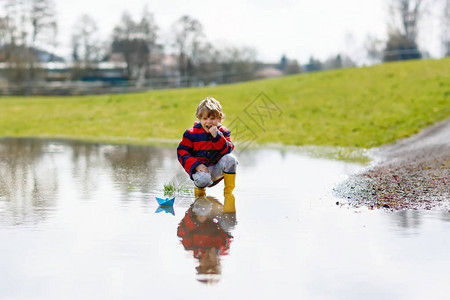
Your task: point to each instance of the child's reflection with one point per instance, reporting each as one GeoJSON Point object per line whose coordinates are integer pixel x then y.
{"type": "Point", "coordinates": [204, 230]}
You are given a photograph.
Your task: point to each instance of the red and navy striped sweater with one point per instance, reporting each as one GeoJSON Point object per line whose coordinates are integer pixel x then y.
{"type": "Point", "coordinates": [199, 147]}
{"type": "Point", "coordinates": [198, 236]}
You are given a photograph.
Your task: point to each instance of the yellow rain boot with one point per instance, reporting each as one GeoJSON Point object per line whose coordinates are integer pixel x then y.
{"type": "Point", "coordinates": [229, 180]}
{"type": "Point", "coordinates": [229, 204]}
{"type": "Point", "coordinates": [199, 192]}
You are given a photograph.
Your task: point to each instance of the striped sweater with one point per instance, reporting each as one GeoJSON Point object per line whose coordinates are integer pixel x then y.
{"type": "Point", "coordinates": [199, 147]}
{"type": "Point", "coordinates": [199, 237]}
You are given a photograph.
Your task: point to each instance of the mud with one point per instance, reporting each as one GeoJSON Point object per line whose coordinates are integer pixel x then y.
{"type": "Point", "coordinates": [413, 173]}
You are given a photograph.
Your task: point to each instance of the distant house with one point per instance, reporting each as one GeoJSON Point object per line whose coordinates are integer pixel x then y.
{"type": "Point", "coordinates": [46, 57]}
{"type": "Point", "coordinates": [268, 72]}
{"type": "Point", "coordinates": [284, 67]}
{"type": "Point", "coordinates": [164, 65]}
{"type": "Point", "coordinates": [159, 65]}
{"type": "Point", "coordinates": [50, 65]}
{"type": "Point", "coordinates": [39, 56]}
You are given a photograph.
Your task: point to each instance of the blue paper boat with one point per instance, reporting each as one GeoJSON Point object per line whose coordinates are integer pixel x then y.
{"type": "Point", "coordinates": [165, 202]}
{"type": "Point", "coordinates": [167, 209]}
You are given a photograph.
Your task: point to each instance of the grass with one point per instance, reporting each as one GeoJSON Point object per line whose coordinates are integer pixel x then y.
{"type": "Point", "coordinates": [171, 190]}
{"type": "Point", "coordinates": [360, 107]}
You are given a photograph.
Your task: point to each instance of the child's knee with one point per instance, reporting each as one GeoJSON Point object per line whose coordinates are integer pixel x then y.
{"type": "Point", "coordinates": [230, 163]}
{"type": "Point", "coordinates": [202, 179]}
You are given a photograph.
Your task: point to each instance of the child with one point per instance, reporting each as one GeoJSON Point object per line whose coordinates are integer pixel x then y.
{"type": "Point", "coordinates": [205, 150]}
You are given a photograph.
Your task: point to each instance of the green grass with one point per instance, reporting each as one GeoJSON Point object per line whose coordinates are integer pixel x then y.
{"type": "Point", "coordinates": [171, 190]}
{"type": "Point", "coordinates": [361, 107]}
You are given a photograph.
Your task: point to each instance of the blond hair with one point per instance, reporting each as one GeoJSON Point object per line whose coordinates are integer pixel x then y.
{"type": "Point", "coordinates": [211, 107]}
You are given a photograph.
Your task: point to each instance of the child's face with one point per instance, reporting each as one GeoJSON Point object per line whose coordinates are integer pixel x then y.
{"type": "Point", "coordinates": [209, 261]}
{"type": "Point", "coordinates": [208, 121]}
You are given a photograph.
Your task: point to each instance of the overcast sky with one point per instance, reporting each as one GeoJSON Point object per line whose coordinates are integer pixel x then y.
{"type": "Point", "coordinates": [297, 28]}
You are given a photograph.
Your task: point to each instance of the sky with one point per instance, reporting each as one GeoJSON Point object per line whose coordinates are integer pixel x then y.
{"type": "Point", "coordinates": [298, 29]}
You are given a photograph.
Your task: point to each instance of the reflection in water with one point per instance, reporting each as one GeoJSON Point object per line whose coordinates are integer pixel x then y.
{"type": "Point", "coordinates": [166, 209]}
{"type": "Point", "coordinates": [81, 217]}
{"type": "Point", "coordinates": [28, 181]}
{"type": "Point", "coordinates": [85, 162]}
{"type": "Point", "coordinates": [445, 216]}
{"type": "Point", "coordinates": [408, 218]}
{"type": "Point", "coordinates": [132, 166]}
{"type": "Point", "coordinates": [30, 168]}
{"type": "Point", "coordinates": [31, 172]}
{"type": "Point", "coordinates": [205, 231]}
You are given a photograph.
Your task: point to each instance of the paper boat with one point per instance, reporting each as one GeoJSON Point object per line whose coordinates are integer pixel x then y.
{"type": "Point", "coordinates": [165, 202]}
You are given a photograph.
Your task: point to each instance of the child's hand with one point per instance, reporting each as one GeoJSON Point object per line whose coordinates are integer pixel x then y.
{"type": "Point", "coordinates": [202, 168]}
{"type": "Point", "coordinates": [213, 130]}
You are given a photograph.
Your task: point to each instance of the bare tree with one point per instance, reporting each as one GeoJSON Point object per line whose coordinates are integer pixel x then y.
{"type": "Point", "coordinates": [188, 33]}
{"type": "Point", "coordinates": [27, 25]}
{"type": "Point", "coordinates": [14, 22]}
{"type": "Point", "coordinates": [43, 20]}
{"type": "Point", "coordinates": [292, 67]}
{"type": "Point", "coordinates": [398, 47]}
{"type": "Point", "coordinates": [446, 29]}
{"type": "Point", "coordinates": [7, 31]}
{"type": "Point", "coordinates": [238, 64]}
{"type": "Point", "coordinates": [123, 37]}
{"type": "Point", "coordinates": [408, 13]}
{"type": "Point", "coordinates": [85, 41]}
{"type": "Point", "coordinates": [148, 29]}
{"type": "Point", "coordinates": [374, 48]}
{"type": "Point", "coordinates": [86, 49]}
{"type": "Point", "coordinates": [15, 50]}
{"type": "Point", "coordinates": [136, 42]}
{"type": "Point", "coordinates": [402, 36]}
{"type": "Point", "coordinates": [208, 67]}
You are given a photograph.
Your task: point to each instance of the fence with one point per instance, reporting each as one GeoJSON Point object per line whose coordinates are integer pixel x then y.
{"type": "Point", "coordinates": [125, 86]}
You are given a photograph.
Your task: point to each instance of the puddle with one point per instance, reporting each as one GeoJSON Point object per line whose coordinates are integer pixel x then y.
{"type": "Point", "coordinates": [81, 220]}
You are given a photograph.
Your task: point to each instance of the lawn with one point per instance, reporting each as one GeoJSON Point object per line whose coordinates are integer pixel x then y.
{"type": "Point", "coordinates": [358, 107]}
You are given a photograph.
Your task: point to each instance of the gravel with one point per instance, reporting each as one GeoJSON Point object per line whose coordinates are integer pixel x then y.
{"type": "Point", "coordinates": [412, 173]}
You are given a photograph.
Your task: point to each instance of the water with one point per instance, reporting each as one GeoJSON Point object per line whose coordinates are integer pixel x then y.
{"type": "Point", "coordinates": [79, 221]}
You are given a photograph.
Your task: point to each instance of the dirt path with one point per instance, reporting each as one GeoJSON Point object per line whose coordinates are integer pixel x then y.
{"type": "Point", "coordinates": [412, 173]}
